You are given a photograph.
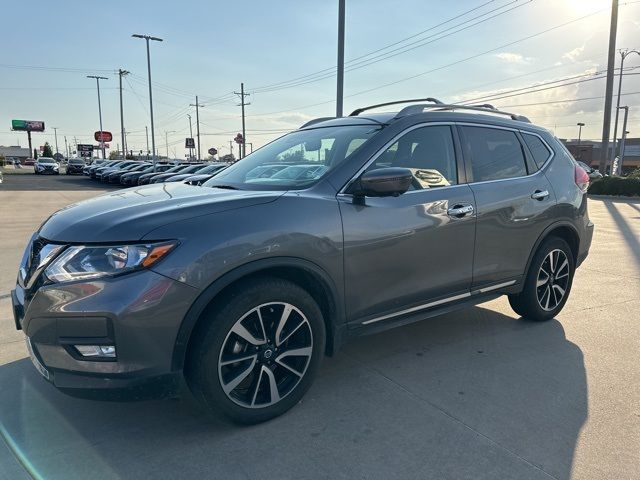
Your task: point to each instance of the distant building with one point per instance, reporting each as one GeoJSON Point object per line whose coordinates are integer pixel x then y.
{"type": "Point", "coordinates": [14, 153]}
{"type": "Point", "coordinates": [589, 152]}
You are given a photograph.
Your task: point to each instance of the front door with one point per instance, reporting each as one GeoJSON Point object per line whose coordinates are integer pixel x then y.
{"type": "Point", "coordinates": [406, 251]}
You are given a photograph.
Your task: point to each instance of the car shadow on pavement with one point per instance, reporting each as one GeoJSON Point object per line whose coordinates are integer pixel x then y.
{"type": "Point", "coordinates": [621, 221]}
{"type": "Point", "coordinates": [474, 394]}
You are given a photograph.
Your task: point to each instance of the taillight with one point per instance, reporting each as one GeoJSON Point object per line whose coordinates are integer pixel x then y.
{"type": "Point", "coordinates": [582, 179]}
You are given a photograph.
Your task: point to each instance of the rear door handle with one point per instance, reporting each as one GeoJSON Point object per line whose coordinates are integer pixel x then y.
{"type": "Point", "coordinates": [540, 194]}
{"type": "Point", "coordinates": [460, 211]}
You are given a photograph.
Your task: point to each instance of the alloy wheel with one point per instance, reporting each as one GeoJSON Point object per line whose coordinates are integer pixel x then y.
{"type": "Point", "coordinates": [265, 355]}
{"type": "Point", "coordinates": [553, 280]}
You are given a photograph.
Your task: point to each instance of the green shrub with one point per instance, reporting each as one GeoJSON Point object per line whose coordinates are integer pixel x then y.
{"type": "Point", "coordinates": [626, 186]}
{"type": "Point", "coordinates": [634, 174]}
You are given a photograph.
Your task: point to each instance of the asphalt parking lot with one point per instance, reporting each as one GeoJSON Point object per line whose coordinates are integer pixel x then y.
{"type": "Point", "coordinates": [477, 394]}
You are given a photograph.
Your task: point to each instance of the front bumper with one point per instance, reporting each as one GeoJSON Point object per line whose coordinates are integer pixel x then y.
{"type": "Point", "coordinates": [139, 313]}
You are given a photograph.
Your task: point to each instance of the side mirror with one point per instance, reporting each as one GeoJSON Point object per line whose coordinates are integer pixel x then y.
{"type": "Point", "coordinates": [383, 182]}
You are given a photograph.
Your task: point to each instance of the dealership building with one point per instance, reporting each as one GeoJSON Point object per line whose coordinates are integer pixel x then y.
{"type": "Point", "coordinates": [14, 153]}
{"type": "Point", "coordinates": [589, 152]}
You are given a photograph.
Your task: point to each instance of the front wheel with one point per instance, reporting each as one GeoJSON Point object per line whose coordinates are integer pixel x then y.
{"type": "Point", "coordinates": [259, 351]}
{"type": "Point", "coordinates": [548, 282]}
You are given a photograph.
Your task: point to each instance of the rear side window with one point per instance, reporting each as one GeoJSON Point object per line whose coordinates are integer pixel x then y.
{"type": "Point", "coordinates": [538, 149]}
{"type": "Point", "coordinates": [496, 154]}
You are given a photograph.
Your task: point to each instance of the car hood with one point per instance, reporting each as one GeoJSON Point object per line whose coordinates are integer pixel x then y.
{"type": "Point", "coordinates": [128, 215]}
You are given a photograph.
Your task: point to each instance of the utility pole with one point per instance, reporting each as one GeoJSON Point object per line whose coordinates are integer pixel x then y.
{"type": "Point", "coordinates": [166, 140]}
{"type": "Point", "coordinates": [55, 133]}
{"type": "Point", "coordinates": [623, 141]}
{"type": "Point", "coordinates": [624, 53]}
{"type": "Point", "coordinates": [66, 146]}
{"type": "Point", "coordinates": [99, 108]}
{"type": "Point", "coordinates": [340, 82]}
{"type": "Point", "coordinates": [122, 73]}
{"type": "Point", "coordinates": [608, 96]}
{"type": "Point", "coordinates": [231, 147]}
{"type": "Point", "coordinates": [146, 131]}
{"type": "Point", "coordinates": [153, 137]}
{"type": "Point", "coordinates": [190, 136]}
{"type": "Point", "coordinates": [242, 104]}
{"type": "Point", "coordinates": [197, 122]}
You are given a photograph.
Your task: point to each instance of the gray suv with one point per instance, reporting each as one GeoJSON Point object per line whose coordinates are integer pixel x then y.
{"type": "Point", "coordinates": [241, 286]}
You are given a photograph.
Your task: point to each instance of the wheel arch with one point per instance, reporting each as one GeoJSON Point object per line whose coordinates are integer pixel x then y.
{"type": "Point", "coordinates": [308, 275]}
{"type": "Point", "coordinates": [562, 229]}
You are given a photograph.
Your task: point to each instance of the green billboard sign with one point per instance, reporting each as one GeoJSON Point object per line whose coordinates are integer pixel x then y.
{"type": "Point", "coordinates": [27, 125]}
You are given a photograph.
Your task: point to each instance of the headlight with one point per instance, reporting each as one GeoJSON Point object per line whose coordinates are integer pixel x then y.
{"type": "Point", "coordinates": [81, 262]}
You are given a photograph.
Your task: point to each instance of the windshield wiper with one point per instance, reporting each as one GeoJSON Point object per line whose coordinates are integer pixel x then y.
{"type": "Point", "coordinates": [226, 187]}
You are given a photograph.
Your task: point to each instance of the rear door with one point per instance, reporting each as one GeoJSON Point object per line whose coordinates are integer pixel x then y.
{"type": "Point", "coordinates": [415, 249]}
{"type": "Point", "coordinates": [513, 198]}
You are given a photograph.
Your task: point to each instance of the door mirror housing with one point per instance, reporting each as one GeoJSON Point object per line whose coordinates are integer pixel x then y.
{"type": "Point", "coordinates": [383, 182]}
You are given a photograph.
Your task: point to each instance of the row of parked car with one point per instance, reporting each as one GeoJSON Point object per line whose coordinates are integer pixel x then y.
{"type": "Point", "coordinates": [131, 172]}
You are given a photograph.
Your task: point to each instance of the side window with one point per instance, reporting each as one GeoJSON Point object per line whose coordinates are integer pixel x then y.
{"type": "Point", "coordinates": [428, 152]}
{"type": "Point", "coordinates": [495, 153]}
{"type": "Point", "coordinates": [537, 148]}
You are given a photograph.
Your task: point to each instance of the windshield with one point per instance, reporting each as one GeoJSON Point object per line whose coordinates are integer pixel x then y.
{"type": "Point", "coordinates": [46, 160]}
{"type": "Point", "coordinates": [297, 160]}
{"type": "Point", "coordinates": [76, 161]}
{"type": "Point", "coordinates": [177, 168]}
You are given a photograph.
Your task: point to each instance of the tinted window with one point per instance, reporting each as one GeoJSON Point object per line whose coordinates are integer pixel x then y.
{"type": "Point", "coordinates": [428, 152]}
{"type": "Point", "coordinates": [495, 154]}
{"type": "Point", "coordinates": [537, 148]}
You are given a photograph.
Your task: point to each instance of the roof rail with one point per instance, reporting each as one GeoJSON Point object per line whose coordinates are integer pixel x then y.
{"type": "Point", "coordinates": [316, 120]}
{"type": "Point", "coordinates": [414, 109]}
{"type": "Point", "coordinates": [358, 111]}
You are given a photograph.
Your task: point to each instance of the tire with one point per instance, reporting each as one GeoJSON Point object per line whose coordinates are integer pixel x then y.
{"type": "Point", "coordinates": [548, 282]}
{"type": "Point", "coordinates": [244, 390]}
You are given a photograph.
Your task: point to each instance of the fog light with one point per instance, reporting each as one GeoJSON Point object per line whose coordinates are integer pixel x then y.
{"type": "Point", "coordinates": [99, 351]}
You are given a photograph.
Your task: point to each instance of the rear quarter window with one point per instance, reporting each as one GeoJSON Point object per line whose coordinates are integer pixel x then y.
{"type": "Point", "coordinates": [539, 151]}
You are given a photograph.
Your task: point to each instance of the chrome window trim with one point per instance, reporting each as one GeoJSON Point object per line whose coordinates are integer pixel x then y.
{"type": "Point", "coordinates": [373, 158]}
{"type": "Point", "coordinates": [384, 148]}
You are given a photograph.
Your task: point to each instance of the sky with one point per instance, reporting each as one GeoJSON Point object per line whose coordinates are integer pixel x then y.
{"type": "Point", "coordinates": [284, 51]}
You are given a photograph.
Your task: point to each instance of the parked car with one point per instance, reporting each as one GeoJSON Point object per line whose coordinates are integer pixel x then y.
{"type": "Point", "coordinates": [146, 178]}
{"type": "Point", "coordinates": [75, 165]}
{"type": "Point", "coordinates": [241, 288]}
{"type": "Point", "coordinates": [100, 173]}
{"type": "Point", "coordinates": [46, 165]}
{"type": "Point", "coordinates": [594, 174]}
{"type": "Point", "coordinates": [115, 176]}
{"type": "Point", "coordinates": [93, 168]}
{"type": "Point", "coordinates": [293, 172]}
{"type": "Point", "coordinates": [265, 171]}
{"type": "Point", "coordinates": [163, 177]}
{"type": "Point", "coordinates": [131, 178]}
{"type": "Point", "coordinates": [205, 174]}
{"type": "Point", "coordinates": [209, 169]}
{"type": "Point", "coordinates": [29, 162]}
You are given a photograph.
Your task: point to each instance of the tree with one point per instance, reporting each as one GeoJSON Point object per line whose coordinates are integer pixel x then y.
{"type": "Point", "coordinates": [47, 152]}
{"type": "Point", "coordinates": [113, 154]}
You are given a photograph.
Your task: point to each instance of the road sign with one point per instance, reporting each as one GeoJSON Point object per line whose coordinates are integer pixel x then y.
{"type": "Point", "coordinates": [103, 136]}
{"type": "Point", "coordinates": [212, 151]}
{"type": "Point", "coordinates": [189, 143]}
{"type": "Point", "coordinates": [85, 150]}
{"type": "Point", "coordinates": [27, 125]}
{"type": "Point", "coordinates": [239, 139]}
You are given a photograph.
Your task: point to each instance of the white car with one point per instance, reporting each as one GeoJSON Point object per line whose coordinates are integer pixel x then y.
{"type": "Point", "coordinates": [46, 165]}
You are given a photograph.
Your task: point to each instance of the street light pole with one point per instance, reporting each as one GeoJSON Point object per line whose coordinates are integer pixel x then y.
{"type": "Point", "coordinates": [99, 109]}
{"type": "Point", "coordinates": [624, 53]}
{"type": "Point", "coordinates": [153, 137]}
{"type": "Point", "coordinates": [166, 140]}
{"type": "Point", "coordinates": [55, 133]}
{"type": "Point", "coordinates": [340, 82]}
{"type": "Point", "coordinates": [623, 141]}
{"type": "Point", "coordinates": [146, 131]}
{"type": "Point", "coordinates": [122, 73]}
{"type": "Point", "coordinates": [580, 125]}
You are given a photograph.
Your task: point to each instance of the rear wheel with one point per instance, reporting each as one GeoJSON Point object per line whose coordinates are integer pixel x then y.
{"type": "Point", "coordinates": [259, 352]}
{"type": "Point", "coordinates": [548, 282]}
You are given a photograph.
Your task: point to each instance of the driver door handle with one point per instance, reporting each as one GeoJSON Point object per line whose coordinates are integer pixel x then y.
{"type": "Point", "coordinates": [540, 194]}
{"type": "Point", "coordinates": [459, 211]}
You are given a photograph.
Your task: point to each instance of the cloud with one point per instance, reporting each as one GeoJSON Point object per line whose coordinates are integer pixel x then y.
{"type": "Point", "coordinates": [514, 58]}
{"type": "Point", "coordinates": [575, 54]}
